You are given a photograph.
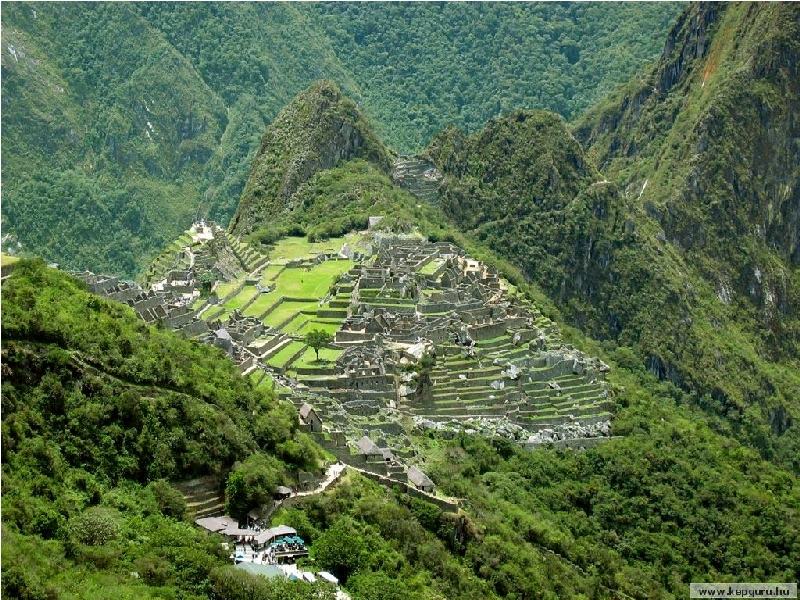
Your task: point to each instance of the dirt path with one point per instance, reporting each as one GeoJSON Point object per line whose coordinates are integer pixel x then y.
{"type": "Point", "coordinates": [331, 475]}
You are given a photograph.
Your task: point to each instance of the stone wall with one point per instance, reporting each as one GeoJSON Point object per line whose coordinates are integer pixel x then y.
{"type": "Point", "coordinates": [489, 331]}
{"type": "Point", "coordinates": [444, 504]}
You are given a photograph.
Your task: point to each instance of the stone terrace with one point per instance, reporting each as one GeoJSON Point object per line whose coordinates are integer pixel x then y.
{"type": "Point", "coordinates": [495, 357]}
{"type": "Point", "coordinates": [422, 334]}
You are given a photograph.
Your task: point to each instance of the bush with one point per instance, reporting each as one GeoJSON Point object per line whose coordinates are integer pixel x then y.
{"type": "Point", "coordinates": [229, 583]}
{"type": "Point", "coordinates": [252, 483]}
{"type": "Point", "coordinates": [170, 501]}
{"type": "Point", "coordinates": [272, 233]}
{"type": "Point", "coordinates": [379, 586]}
{"type": "Point", "coordinates": [342, 549]}
{"type": "Point", "coordinates": [95, 526]}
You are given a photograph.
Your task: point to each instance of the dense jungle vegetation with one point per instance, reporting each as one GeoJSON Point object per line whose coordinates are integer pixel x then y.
{"type": "Point", "coordinates": [122, 122]}
{"type": "Point", "coordinates": [684, 270]}
{"type": "Point", "coordinates": [99, 412]}
{"type": "Point", "coordinates": [102, 413]}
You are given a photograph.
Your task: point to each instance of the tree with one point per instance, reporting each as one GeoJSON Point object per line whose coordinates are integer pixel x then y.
{"type": "Point", "coordinates": [251, 483]}
{"type": "Point", "coordinates": [318, 339]}
{"type": "Point", "coordinates": [207, 280]}
{"type": "Point", "coordinates": [342, 549]}
{"type": "Point", "coordinates": [170, 501]}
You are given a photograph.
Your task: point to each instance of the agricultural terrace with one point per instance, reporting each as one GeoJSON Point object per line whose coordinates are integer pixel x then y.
{"type": "Point", "coordinates": [293, 248]}
{"type": "Point", "coordinates": [293, 305]}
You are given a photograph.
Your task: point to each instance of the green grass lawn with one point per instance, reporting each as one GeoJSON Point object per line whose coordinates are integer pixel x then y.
{"type": "Point", "coordinates": [262, 303]}
{"type": "Point", "coordinates": [494, 339]}
{"type": "Point", "coordinates": [430, 268]}
{"type": "Point", "coordinates": [269, 273]}
{"type": "Point", "coordinates": [7, 259]}
{"type": "Point", "coordinates": [291, 248]}
{"type": "Point", "coordinates": [327, 356]}
{"type": "Point", "coordinates": [286, 310]}
{"type": "Point", "coordinates": [329, 325]}
{"type": "Point", "coordinates": [226, 287]}
{"type": "Point", "coordinates": [296, 283]}
{"type": "Point", "coordinates": [284, 354]}
{"type": "Point", "coordinates": [305, 283]}
{"type": "Point", "coordinates": [297, 323]}
{"type": "Point", "coordinates": [241, 298]}
{"type": "Point", "coordinates": [313, 283]}
{"type": "Point", "coordinates": [266, 384]}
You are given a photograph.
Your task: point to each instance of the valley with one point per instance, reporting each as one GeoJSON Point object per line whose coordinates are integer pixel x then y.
{"type": "Point", "coordinates": [134, 149]}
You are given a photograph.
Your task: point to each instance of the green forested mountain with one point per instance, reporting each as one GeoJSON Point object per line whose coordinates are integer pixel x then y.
{"type": "Point", "coordinates": [634, 517]}
{"type": "Point", "coordinates": [684, 244]}
{"type": "Point", "coordinates": [316, 132]}
{"type": "Point", "coordinates": [123, 121]}
{"type": "Point", "coordinates": [99, 411]}
{"type": "Point", "coordinates": [464, 63]}
{"type": "Point", "coordinates": [662, 224]}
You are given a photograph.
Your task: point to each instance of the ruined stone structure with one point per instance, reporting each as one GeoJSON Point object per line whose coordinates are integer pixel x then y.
{"type": "Point", "coordinates": [490, 355]}
{"type": "Point", "coordinates": [426, 333]}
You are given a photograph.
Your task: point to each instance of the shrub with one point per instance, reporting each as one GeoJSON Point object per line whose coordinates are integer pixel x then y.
{"type": "Point", "coordinates": [170, 501]}
{"type": "Point", "coordinates": [95, 526]}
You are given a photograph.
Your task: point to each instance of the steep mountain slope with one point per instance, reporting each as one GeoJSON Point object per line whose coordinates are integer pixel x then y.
{"type": "Point", "coordinates": [315, 132]}
{"type": "Point", "coordinates": [688, 255]}
{"type": "Point", "coordinates": [629, 518]}
{"type": "Point", "coordinates": [256, 57]}
{"type": "Point", "coordinates": [727, 94]}
{"type": "Point", "coordinates": [422, 66]}
{"type": "Point", "coordinates": [98, 411]}
{"type": "Point", "coordinates": [525, 187]}
{"type": "Point", "coordinates": [122, 122]}
{"type": "Point", "coordinates": [104, 134]}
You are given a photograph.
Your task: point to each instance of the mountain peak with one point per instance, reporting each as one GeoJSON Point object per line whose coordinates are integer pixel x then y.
{"type": "Point", "coordinates": [320, 128]}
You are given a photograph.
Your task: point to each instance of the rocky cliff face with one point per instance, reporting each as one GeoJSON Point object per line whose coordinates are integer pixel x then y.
{"type": "Point", "coordinates": [708, 144]}
{"type": "Point", "coordinates": [318, 130]}
{"type": "Point", "coordinates": [617, 128]}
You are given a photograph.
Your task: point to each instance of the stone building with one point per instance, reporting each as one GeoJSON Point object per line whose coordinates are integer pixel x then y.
{"type": "Point", "coordinates": [369, 450]}
{"type": "Point", "coordinates": [419, 480]}
{"type": "Point", "coordinates": [310, 418]}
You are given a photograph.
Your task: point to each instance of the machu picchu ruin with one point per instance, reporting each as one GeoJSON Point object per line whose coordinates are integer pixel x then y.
{"type": "Point", "coordinates": [419, 176]}
{"type": "Point", "coordinates": [400, 300]}
{"type": "Point", "coordinates": [423, 338]}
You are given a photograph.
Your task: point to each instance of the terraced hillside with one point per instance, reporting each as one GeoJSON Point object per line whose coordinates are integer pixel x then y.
{"type": "Point", "coordinates": [433, 335]}
{"type": "Point", "coordinates": [418, 176]}
{"type": "Point", "coordinates": [205, 247]}
{"type": "Point", "coordinates": [422, 334]}
{"type": "Point", "coordinates": [423, 338]}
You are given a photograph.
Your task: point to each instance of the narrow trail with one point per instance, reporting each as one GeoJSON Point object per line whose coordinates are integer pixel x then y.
{"type": "Point", "coordinates": [333, 473]}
